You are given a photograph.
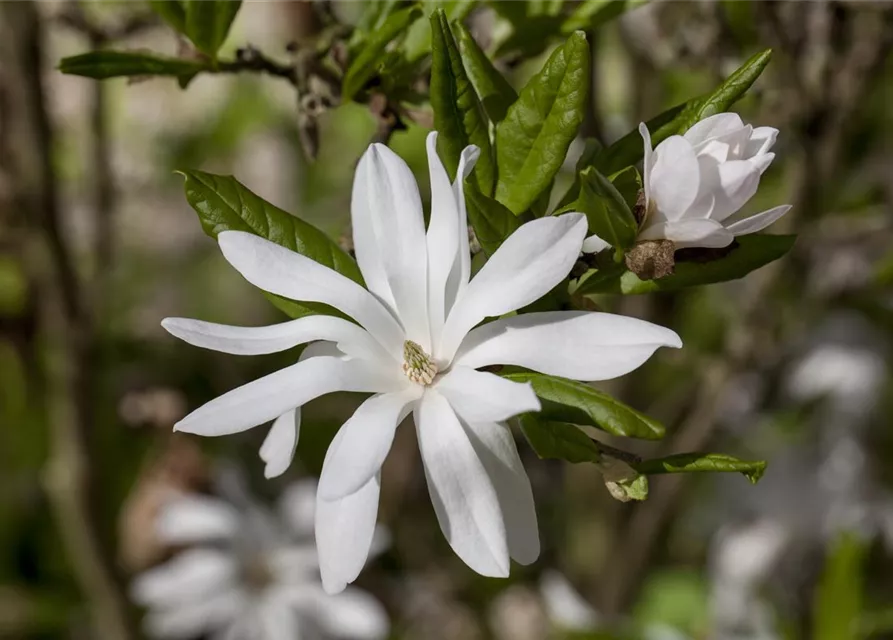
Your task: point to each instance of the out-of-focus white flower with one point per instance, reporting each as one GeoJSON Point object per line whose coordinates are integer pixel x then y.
{"type": "Point", "coordinates": [248, 574]}
{"type": "Point", "coordinates": [695, 182]}
{"type": "Point", "coordinates": [565, 607]}
{"type": "Point", "coordinates": [415, 346]}
{"type": "Point", "coordinates": [849, 375]}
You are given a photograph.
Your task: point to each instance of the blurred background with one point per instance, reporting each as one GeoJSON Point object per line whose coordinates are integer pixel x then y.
{"type": "Point", "coordinates": [791, 365]}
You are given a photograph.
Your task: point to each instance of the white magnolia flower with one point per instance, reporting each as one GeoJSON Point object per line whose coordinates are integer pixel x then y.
{"type": "Point", "coordinates": [248, 574]}
{"type": "Point", "coordinates": [695, 182]}
{"type": "Point", "coordinates": [415, 346]}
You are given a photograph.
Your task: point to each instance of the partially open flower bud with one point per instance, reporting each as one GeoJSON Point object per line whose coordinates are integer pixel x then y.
{"type": "Point", "coordinates": [651, 259]}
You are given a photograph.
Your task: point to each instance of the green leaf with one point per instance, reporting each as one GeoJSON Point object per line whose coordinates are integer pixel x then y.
{"type": "Point", "coordinates": [492, 222]}
{"type": "Point", "coordinates": [208, 23]}
{"type": "Point", "coordinates": [532, 141]}
{"type": "Point", "coordinates": [576, 402]}
{"type": "Point", "coordinates": [729, 92]}
{"type": "Point", "coordinates": [112, 64]}
{"type": "Point", "coordinates": [531, 36]}
{"type": "Point", "coordinates": [591, 149]}
{"type": "Point", "coordinates": [630, 149]}
{"type": "Point", "coordinates": [628, 182]}
{"type": "Point", "coordinates": [494, 91]}
{"type": "Point", "coordinates": [625, 489]}
{"type": "Point", "coordinates": [838, 600]}
{"type": "Point", "coordinates": [591, 14]}
{"type": "Point", "coordinates": [752, 252]}
{"type": "Point", "coordinates": [458, 113]}
{"type": "Point", "coordinates": [224, 204]}
{"type": "Point", "coordinates": [171, 11]}
{"type": "Point", "coordinates": [419, 38]}
{"type": "Point", "coordinates": [697, 462]}
{"type": "Point", "coordinates": [366, 64]}
{"type": "Point", "coordinates": [606, 210]}
{"type": "Point", "coordinates": [559, 440]}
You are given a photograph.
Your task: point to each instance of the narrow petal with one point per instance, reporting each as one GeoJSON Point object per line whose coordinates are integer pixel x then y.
{"type": "Point", "coordinates": [344, 532]}
{"type": "Point", "coordinates": [298, 504]}
{"type": "Point", "coordinates": [713, 127]}
{"type": "Point", "coordinates": [396, 211]}
{"type": "Point", "coordinates": [461, 490]}
{"type": "Point", "coordinates": [737, 182]}
{"type": "Point", "coordinates": [194, 618]}
{"type": "Point", "coordinates": [353, 613]}
{"type": "Point", "coordinates": [189, 575]}
{"type": "Point", "coordinates": [195, 518]}
{"type": "Point", "coordinates": [278, 270]}
{"type": "Point", "coordinates": [674, 177]}
{"type": "Point", "coordinates": [278, 448]}
{"type": "Point", "coordinates": [594, 244]}
{"type": "Point", "coordinates": [363, 442]}
{"type": "Point", "coordinates": [278, 620]}
{"type": "Point", "coordinates": [690, 233]}
{"type": "Point", "coordinates": [442, 237]}
{"type": "Point", "coordinates": [461, 272]}
{"type": "Point", "coordinates": [496, 448]}
{"type": "Point", "coordinates": [528, 265]}
{"type": "Point", "coordinates": [478, 396]}
{"type": "Point", "coordinates": [648, 159]}
{"type": "Point", "coordinates": [271, 396]}
{"type": "Point", "coordinates": [572, 344]}
{"type": "Point", "coordinates": [352, 339]}
{"type": "Point", "coordinates": [761, 141]}
{"type": "Point", "coordinates": [759, 221]}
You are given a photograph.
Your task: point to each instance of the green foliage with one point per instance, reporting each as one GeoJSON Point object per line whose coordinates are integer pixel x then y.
{"type": "Point", "coordinates": [838, 599]}
{"type": "Point", "coordinates": [491, 221]}
{"type": "Point", "coordinates": [112, 64]}
{"type": "Point", "coordinates": [752, 252]}
{"type": "Point", "coordinates": [368, 61]}
{"type": "Point", "coordinates": [606, 209]}
{"type": "Point", "coordinates": [419, 38]}
{"type": "Point", "coordinates": [695, 462]}
{"type": "Point", "coordinates": [458, 113]}
{"type": "Point", "coordinates": [171, 11]}
{"type": "Point", "coordinates": [591, 14]}
{"type": "Point", "coordinates": [559, 440]}
{"type": "Point", "coordinates": [208, 23]}
{"type": "Point", "coordinates": [566, 400]}
{"type": "Point", "coordinates": [493, 90]}
{"type": "Point", "coordinates": [224, 204]}
{"type": "Point", "coordinates": [629, 149]}
{"type": "Point", "coordinates": [532, 141]}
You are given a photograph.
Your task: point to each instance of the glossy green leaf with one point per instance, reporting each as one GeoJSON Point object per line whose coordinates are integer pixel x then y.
{"type": "Point", "coordinates": [491, 221]}
{"type": "Point", "coordinates": [591, 14]}
{"type": "Point", "coordinates": [606, 210]}
{"type": "Point", "coordinates": [459, 116]}
{"type": "Point", "coordinates": [591, 149]}
{"type": "Point", "coordinates": [531, 36]}
{"type": "Point", "coordinates": [419, 38]}
{"type": "Point", "coordinates": [532, 141]}
{"type": "Point", "coordinates": [366, 64]}
{"type": "Point", "coordinates": [625, 489]}
{"type": "Point", "coordinates": [494, 91]}
{"type": "Point", "coordinates": [700, 462]}
{"type": "Point", "coordinates": [112, 64]}
{"type": "Point", "coordinates": [629, 149]}
{"type": "Point", "coordinates": [171, 11]}
{"type": "Point", "coordinates": [727, 93]}
{"type": "Point", "coordinates": [224, 204]}
{"type": "Point", "coordinates": [566, 400]}
{"type": "Point", "coordinates": [838, 601]}
{"type": "Point", "coordinates": [559, 440]}
{"type": "Point", "coordinates": [208, 23]}
{"type": "Point", "coordinates": [749, 254]}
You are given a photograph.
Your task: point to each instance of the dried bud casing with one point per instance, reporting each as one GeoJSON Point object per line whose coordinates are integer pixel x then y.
{"type": "Point", "coordinates": [651, 259]}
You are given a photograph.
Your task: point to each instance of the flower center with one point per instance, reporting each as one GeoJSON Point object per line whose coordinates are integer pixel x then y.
{"type": "Point", "coordinates": [418, 365]}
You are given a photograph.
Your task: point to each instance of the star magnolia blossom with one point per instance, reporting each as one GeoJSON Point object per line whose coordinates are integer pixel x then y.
{"type": "Point", "coordinates": [415, 346]}
{"type": "Point", "coordinates": [248, 574]}
{"type": "Point", "coordinates": [694, 183]}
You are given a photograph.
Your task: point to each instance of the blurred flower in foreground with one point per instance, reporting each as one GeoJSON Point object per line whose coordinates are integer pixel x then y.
{"type": "Point", "coordinates": [566, 608]}
{"type": "Point", "coordinates": [248, 574]}
{"type": "Point", "coordinates": [695, 182]}
{"type": "Point", "coordinates": [415, 347]}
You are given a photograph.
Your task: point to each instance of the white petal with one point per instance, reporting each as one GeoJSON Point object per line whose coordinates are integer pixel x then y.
{"type": "Point", "coordinates": [761, 141]}
{"type": "Point", "coordinates": [690, 233]}
{"type": "Point", "coordinates": [461, 490]}
{"type": "Point", "coordinates": [496, 448]}
{"type": "Point", "coordinates": [271, 396]}
{"type": "Point", "coordinates": [442, 238]}
{"type": "Point", "coordinates": [189, 575]}
{"type": "Point", "coordinates": [461, 272]}
{"type": "Point", "coordinates": [572, 344]}
{"type": "Point", "coordinates": [713, 127]}
{"type": "Point", "coordinates": [352, 339]}
{"type": "Point", "coordinates": [737, 182]}
{"type": "Point", "coordinates": [344, 532]}
{"type": "Point", "coordinates": [648, 160]}
{"type": "Point", "coordinates": [192, 619]}
{"type": "Point", "coordinates": [674, 178]}
{"type": "Point", "coordinates": [594, 244]}
{"type": "Point", "coordinates": [363, 442]}
{"type": "Point", "coordinates": [278, 448]}
{"type": "Point", "coordinates": [195, 518]}
{"type": "Point", "coordinates": [478, 396]}
{"type": "Point", "coordinates": [566, 608]}
{"type": "Point", "coordinates": [278, 270]}
{"type": "Point", "coordinates": [396, 211]}
{"type": "Point", "coordinates": [527, 266]}
{"type": "Point", "coordinates": [298, 504]}
{"type": "Point", "coordinates": [353, 613]}
{"type": "Point", "coordinates": [762, 161]}
{"type": "Point", "coordinates": [278, 620]}
{"type": "Point", "coordinates": [759, 221]}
